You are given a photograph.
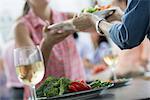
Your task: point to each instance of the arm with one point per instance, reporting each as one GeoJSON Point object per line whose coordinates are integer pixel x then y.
{"type": "Point", "coordinates": [22, 38]}
{"type": "Point", "coordinates": [134, 26]}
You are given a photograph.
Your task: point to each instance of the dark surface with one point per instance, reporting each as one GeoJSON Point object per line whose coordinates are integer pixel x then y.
{"type": "Point", "coordinates": [138, 89]}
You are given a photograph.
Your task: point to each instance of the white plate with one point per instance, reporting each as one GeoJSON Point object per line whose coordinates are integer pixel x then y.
{"type": "Point", "coordinates": [105, 13]}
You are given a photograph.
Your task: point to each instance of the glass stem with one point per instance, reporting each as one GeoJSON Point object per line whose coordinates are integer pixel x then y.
{"type": "Point", "coordinates": [114, 73]}
{"type": "Point", "coordinates": [33, 92]}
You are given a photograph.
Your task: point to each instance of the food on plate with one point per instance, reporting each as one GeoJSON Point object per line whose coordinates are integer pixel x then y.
{"type": "Point", "coordinates": [76, 86]}
{"type": "Point", "coordinates": [59, 86]}
{"type": "Point", "coordinates": [118, 80]}
{"type": "Point", "coordinates": [98, 83]}
{"type": "Point", "coordinates": [95, 9]}
{"type": "Point", "coordinates": [53, 87]}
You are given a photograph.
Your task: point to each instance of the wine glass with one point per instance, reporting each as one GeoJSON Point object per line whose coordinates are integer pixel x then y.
{"type": "Point", "coordinates": [110, 58]}
{"type": "Point", "coordinates": [29, 66]}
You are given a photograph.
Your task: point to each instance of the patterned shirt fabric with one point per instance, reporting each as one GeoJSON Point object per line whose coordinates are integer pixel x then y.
{"type": "Point", "coordinates": [64, 60]}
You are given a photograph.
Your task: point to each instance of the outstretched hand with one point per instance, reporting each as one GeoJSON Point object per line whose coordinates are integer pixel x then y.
{"type": "Point", "coordinates": [116, 16]}
{"type": "Point", "coordinates": [54, 34]}
{"type": "Point", "coordinates": [85, 21]}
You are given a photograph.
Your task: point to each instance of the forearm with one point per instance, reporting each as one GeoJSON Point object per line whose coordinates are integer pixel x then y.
{"type": "Point", "coordinates": [105, 27]}
{"type": "Point", "coordinates": [46, 49]}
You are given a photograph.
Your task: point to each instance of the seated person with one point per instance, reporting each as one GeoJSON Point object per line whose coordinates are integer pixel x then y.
{"type": "Point", "coordinates": [90, 45]}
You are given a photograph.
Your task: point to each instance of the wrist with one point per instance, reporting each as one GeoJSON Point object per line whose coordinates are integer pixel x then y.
{"type": "Point", "coordinates": [46, 45]}
{"type": "Point", "coordinates": [98, 28]}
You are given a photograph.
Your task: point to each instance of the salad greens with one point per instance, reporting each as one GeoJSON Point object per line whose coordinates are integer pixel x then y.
{"type": "Point", "coordinates": [53, 87]}
{"type": "Point", "coordinates": [98, 83]}
{"type": "Point", "coordinates": [58, 86]}
{"type": "Point", "coordinates": [90, 10]}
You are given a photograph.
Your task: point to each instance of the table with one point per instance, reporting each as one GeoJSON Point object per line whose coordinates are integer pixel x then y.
{"type": "Point", "coordinates": [138, 89]}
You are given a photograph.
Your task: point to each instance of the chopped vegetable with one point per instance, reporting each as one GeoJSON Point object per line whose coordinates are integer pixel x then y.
{"type": "Point", "coordinates": [53, 87]}
{"type": "Point", "coordinates": [59, 86]}
{"type": "Point", "coordinates": [98, 83]}
{"type": "Point", "coordinates": [48, 82]}
{"type": "Point", "coordinates": [78, 86]}
{"type": "Point", "coordinates": [95, 9]}
{"type": "Point", "coordinates": [64, 83]}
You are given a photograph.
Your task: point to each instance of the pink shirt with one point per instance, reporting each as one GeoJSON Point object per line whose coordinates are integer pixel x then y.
{"type": "Point", "coordinates": [64, 60]}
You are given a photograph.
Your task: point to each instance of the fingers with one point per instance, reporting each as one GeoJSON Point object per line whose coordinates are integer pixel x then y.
{"type": "Point", "coordinates": [57, 26]}
{"type": "Point", "coordinates": [45, 28]}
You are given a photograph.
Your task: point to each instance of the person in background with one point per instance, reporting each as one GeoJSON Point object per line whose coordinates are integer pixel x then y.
{"type": "Point", "coordinates": [136, 55]}
{"type": "Point", "coordinates": [124, 34]}
{"type": "Point", "coordinates": [4, 92]}
{"type": "Point", "coordinates": [61, 59]}
{"type": "Point", "coordinates": [16, 88]}
{"type": "Point", "coordinates": [90, 45]}
{"type": "Point", "coordinates": [129, 33]}
{"type": "Point", "coordinates": [120, 3]}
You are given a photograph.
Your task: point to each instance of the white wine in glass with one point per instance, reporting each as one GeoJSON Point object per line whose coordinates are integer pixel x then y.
{"type": "Point", "coordinates": [31, 73]}
{"type": "Point", "coordinates": [110, 59]}
{"type": "Point", "coordinates": [29, 67]}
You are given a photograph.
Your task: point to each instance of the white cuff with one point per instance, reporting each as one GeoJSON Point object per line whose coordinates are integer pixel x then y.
{"type": "Point", "coordinates": [98, 30]}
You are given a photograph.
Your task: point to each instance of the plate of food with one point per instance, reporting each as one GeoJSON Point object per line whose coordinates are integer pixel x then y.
{"type": "Point", "coordinates": [63, 88]}
{"type": "Point", "coordinates": [101, 11]}
{"type": "Point", "coordinates": [120, 82]}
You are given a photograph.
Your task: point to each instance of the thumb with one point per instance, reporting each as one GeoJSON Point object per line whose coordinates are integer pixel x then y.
{"type": "Point", "coordinates": [45, 28]}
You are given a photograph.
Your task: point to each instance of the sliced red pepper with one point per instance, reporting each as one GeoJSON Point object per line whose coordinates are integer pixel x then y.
{"type": "Point", "coordinates": [72, 89]}
{"type": "Point", "coordinates": [75, 82]}
{"type": "Point", "coordinates": [86, 86]}
{"type": "Point", "coordinates": [77, 87]}
{"type": "Point", "coordinates": [82, 81]}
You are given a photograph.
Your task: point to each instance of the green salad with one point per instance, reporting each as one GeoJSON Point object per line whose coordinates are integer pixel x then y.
{"type": "Point", "coordinates": [53, 87]}
{"type": "Point", "coordinates": [59, 86]}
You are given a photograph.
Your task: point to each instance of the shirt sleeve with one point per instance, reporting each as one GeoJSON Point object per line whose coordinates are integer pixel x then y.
{"type": "Point", "coordinates": [134, 27]}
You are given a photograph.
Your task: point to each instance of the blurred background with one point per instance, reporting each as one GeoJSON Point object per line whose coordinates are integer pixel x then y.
{"type": "Point", "coordinates": [12, 9]}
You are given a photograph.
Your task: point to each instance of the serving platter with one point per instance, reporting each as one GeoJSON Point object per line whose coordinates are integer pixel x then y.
{"type": "Point", "coordinates": [121, 82]}
{"type": "Point", "coordinates": [78, 95]}
{"type": "Point", "coordinates": [105, 13]}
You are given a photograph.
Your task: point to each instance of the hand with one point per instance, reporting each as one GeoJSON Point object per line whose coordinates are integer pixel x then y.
{"type": "Point", "coordinates": [56, 33]}
{"type": "Point", "coordinates": [85, 21]}
{"type": "Point", "coordinates": [116, 16]}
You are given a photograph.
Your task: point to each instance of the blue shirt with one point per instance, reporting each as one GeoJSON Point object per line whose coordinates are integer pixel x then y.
{"type": "Point", "coordinates": [135, 25]}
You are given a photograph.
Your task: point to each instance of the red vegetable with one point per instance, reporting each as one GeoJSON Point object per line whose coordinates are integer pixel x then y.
{"type": "Point", "coordinates": [78, 86]}
{"type": "Point", "coordinates": [82, 81]}
{"type": "Point", "coordinates": [72, 89]}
